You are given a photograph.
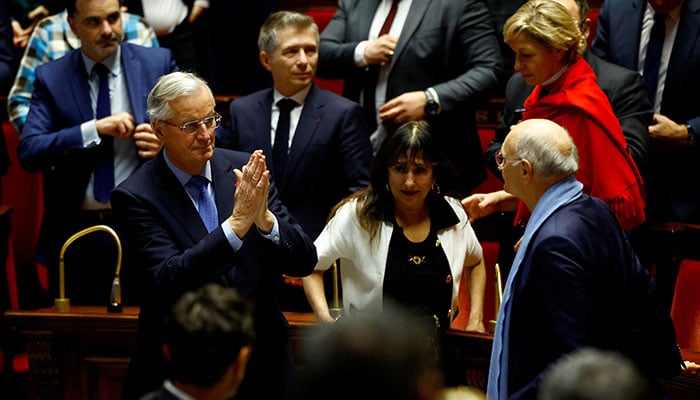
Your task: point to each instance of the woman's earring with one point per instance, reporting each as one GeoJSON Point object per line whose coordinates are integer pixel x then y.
{"type": "Point", "coordinates": [386, 186]}
{"type": "Point", "coordinates": [435, 188]}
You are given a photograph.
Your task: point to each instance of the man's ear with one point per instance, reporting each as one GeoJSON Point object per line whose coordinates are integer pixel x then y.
{"type": "Point", "coordinates": [156, 129]}
{"type": "Point", "coordinates": [527, 169]}
{"type": "Point", "coordinates": [265, 60]}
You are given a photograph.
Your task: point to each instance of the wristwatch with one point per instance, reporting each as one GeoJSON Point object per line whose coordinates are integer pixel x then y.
{"type": "Point", "coordinates": [431, 105]}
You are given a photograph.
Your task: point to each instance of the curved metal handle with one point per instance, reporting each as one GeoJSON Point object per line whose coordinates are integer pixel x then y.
{"type": "Point", "coordinates": [62, 303]}
{"type": "Point", "coordinates": [498, 297]}
{"type": "Point", "coordinates": [336, 309]}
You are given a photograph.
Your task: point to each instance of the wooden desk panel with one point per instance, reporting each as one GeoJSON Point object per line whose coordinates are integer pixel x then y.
{"type": "Point", "coordinates": [84, 353]}
{"type": "Point", "coordinates": [81, 354]}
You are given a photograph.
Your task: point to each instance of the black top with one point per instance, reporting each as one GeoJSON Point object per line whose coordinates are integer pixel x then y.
{"type": "Point", "coordinates": [418, 275]}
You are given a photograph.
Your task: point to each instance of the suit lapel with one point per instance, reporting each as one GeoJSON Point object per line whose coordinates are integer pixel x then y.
{"type": "Point", "coordinates": [224, 181]}
{"type": "Point", "coordinates": [262, 125]}
{"type": "Point", "coordinates": [689, 32]}
{"type": "Point", "coordinates": [174, 200]}
{"type": "Point", "coordinates": [636, 13]}
{"type": "Point", "coordinates": [365, 21]}
{"type": "Point", "coordinates": [177, 205]}
{"type": "Point", "coordinates": [307, 127]}
{"type": "Point", "coordinates": [79, 86]}
{"type": "Point", "coordinates": [134, 82]}
{"type": "Point", "coordinates": [415, 16]}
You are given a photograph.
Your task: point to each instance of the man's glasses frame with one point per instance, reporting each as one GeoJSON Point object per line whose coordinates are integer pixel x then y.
{"type": "Point", "coordinates": [501, 160]}
{"type": "Point", "coordinates": [191, 127]}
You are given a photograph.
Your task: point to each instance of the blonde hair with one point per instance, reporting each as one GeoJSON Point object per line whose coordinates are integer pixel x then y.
{"type": "Point", "coordinates": [549, 24]}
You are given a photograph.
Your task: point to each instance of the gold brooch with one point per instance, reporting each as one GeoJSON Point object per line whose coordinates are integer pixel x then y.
{"type": "Point", "coordinates": [417, 260]}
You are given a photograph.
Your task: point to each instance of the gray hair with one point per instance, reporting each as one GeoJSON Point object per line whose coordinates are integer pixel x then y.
{"type": "Point", "coordinates": [592, 374]}
{"type": "Point", "coordinates": [268, 39]}
{"type": "Point", "coordinates": [170, 87]}
{"type": "Point", "coordinates": [551, 152]}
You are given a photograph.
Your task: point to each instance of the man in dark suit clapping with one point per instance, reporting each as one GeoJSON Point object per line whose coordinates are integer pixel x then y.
{"type": "Point", "coordinates": [195, 215]}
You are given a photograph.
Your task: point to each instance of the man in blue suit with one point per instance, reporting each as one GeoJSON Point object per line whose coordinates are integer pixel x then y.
{"type": "Point", "coordinates": [64, 139]}
{"type": "Point", "coordinates": [671, 192]}
{"type": "Point", "coordinates": [329, 151]}
{"type": "Point", "coordinates": [231, 230]}
{"type": "Point", "coordinates": [576, 281]}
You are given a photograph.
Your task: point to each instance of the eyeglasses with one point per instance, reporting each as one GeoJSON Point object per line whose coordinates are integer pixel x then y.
{"type": "Point", "coordinates": [501, 161]}
{"type": "Point", "coordinates": [191, 127]}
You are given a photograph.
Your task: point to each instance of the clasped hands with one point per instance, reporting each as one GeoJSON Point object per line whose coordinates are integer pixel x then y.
{"type": "Point", "coordinates": [250, 199]}
{"type": "Point", "coordinates": [123, 125]}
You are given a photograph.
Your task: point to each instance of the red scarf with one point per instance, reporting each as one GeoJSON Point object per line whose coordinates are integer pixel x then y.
{"type": "Point", "coordinates": [606, 168]}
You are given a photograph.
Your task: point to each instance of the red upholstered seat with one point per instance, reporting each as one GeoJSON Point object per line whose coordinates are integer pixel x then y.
{"type": "Point", "coordinates": [490, 257]}
{"type": "Point", "coordinates": [23, 192]}
{"type": "Point", "coordinates": [321, 15]}
{"type": "Point", "coordinates": [685, 309]}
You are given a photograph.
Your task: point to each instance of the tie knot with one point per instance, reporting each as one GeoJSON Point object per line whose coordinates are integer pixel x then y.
{"type": "Point", "coordinates": [198, 181]}
{"type": "Point", "coordinates": [101, 70]}
{"type": "Point", "coordinates": [286, 104]}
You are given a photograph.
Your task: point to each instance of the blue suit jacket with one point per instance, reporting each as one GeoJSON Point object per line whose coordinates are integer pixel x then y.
{"type": "Point", "coordinates": [580, 284]}
{"type": "Point", "coordinates": [329, 157]}
{"type": "Point", "coordinates": [672, 171]}
{"type": "Point", "coordinates": [445, 44]}
{"type": "Point", "coordinates": [51, 141]}
{"type": "Point", "coordinates": [169, 250]}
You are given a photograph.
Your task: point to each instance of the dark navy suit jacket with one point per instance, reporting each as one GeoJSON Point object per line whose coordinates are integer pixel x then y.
{"type": "Point", "coordinates": [51, 141]}
{"type": "Point", "coordinates": [673, 172]}
{"type": "Point", "coordinates": [170, 251]}
{"type": "Point", "coordinates": [580, 284]}
{"type": "Point", "coordinates": [329, 156]}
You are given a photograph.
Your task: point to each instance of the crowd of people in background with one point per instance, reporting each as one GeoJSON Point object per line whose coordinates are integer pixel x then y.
{"type": "Point", "coordinates": [227, 220]}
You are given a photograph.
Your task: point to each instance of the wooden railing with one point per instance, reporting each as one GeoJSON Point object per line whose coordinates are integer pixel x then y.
{"type": "Point", "coordinates": [83, 354]}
